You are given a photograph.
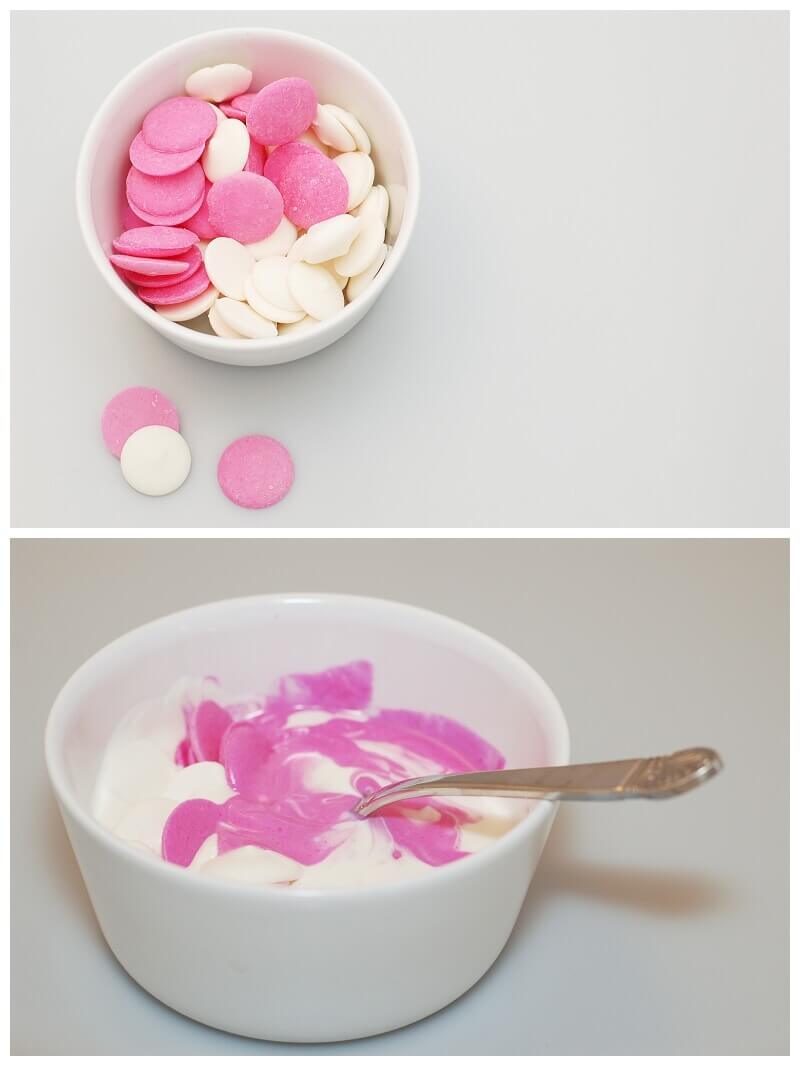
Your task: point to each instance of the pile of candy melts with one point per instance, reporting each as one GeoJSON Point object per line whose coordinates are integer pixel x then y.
{"type": "Point", "coordinates": [141, 428]}
{"type": "Point", "coordinates": [255, 208]}
{"type": "Point", "coordinates": [260, 788]}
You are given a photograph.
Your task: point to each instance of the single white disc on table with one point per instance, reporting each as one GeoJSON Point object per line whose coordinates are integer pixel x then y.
{"type": "Point", "coordinates": [155, 460]}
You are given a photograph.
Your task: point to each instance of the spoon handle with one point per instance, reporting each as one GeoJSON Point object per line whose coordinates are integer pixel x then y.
{"type": "Point", "coordinates": [650, 778]}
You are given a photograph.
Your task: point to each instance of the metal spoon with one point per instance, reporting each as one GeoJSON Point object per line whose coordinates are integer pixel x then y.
{"type": "Point", "coordinates": [651, 778]}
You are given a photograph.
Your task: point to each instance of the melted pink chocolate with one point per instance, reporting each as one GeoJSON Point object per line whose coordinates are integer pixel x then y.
{"type": "Point", "coordinates": [265, 763]}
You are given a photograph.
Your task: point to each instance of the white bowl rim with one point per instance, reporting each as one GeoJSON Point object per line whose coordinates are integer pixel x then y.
{"type": "Point", "coordinates": [526, 828]}
{"type": "Point", "coordinates": [175, 331]}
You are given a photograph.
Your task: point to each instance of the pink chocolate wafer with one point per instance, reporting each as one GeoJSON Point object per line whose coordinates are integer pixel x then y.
{"type": "Point", "coordinates": [154, 242]}
{"type": "Point", "coordinates": [282, 111]}
{"type": "Point", "coordinates": [161, 164]}
{"type": "Point", "coordinates": [193, 259]}
{"type": "Point", "coordinates": [256, 158]}
{"type": "Point", "coordinates": [244, 206]}
{"type": "Point", "coordinates": [232, 112]}
{"type": "Point", "coordinates": [244, 101]}
{"type": "Point", "coordinates": [179, 124]}
{"type": "Point", "coordinates": [157, 268]}
{"type": "Point", "coordinates": [178, 293]}
{"type": "Point", "coordinates": [167, 196]}
{"type": "Point", "coordinates": [134, 409]}
{"type": "Point", "coordinates": [255, 472]}
{"type": "Point", "coordinates": [282, 158]}
{"type": "Point", "coordinates": [199, 223]}
{"type": "Point", "coordinates": [312, 186]}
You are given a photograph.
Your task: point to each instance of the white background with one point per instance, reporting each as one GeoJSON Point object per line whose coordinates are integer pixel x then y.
{"type": "Point", "coordinates": [590, 327]}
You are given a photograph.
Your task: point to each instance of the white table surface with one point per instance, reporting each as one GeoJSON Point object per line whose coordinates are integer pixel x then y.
{"type": "Point", "coordinates": [649, 928]}
{"type": "Point", "coordinates": [590, 327]}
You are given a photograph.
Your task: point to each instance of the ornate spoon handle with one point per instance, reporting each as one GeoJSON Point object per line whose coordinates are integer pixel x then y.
{"type": "Point", "coordinates": [650, 778]}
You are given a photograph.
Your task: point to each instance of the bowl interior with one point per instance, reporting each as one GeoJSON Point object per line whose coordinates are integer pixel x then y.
{"type": "Point", "coordinates": [270, 55]}
{"type": "Point", "coordinates": [422, 662]}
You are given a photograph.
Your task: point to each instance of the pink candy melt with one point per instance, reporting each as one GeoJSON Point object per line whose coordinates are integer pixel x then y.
{"type": "Point", "coordinates": [256, 158]}
{"type": "Point", "coordinates": [312, 186]}
{"type": "Point", "coordinates": [232, 112]}
{"type": "Point", "coordinates": [150, 267]}
{"type": "Point", "coordinates": [179, 124]}
{"type": "Point", "coordinates": [199, 223]}
{"type": "Point", "coordinates": [244, 206]}
{"type": "Point", "coordinates": [193, 259]}
{"type": "Point", "coordinates": [154, 241]}
{"type": "Point", "coordinates": [243, 102]}
{"type": "Point", "coordinates": [255, 472]}
{"type": "Point", "coordinates": [133, 409]}
{"type": "Point", "coordinates": [206, 725]}
{"type": "Point", "coordinates": [282, 111]}
{"type": "Point", "coordinates": [161, 164]}
{"type": "Point", "coordinates": [170, 195]}
{"type": "Point", "coordinates": [265, 761]}
{"type": "Point", "coordinates": [186, 828]}
{"type": "Point", "coordinates": [282, 157]}
{"type": "Point", "coordinates": [177, 293]}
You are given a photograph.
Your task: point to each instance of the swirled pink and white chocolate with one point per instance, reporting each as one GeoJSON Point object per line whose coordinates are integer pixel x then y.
{"type": "Point", "coordinates": [262, 791]}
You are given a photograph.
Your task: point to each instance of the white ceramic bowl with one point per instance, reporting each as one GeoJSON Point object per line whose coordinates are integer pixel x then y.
{"type": "Point", "coordinates": [321, 964]}
{"type": "Point", "coordinates": [270, 54]}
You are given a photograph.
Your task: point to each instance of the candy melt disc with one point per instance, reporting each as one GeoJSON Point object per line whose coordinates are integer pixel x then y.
{"type": "Point", "coordinates": [155, 460]}
{"type": "Point", "coordinates": [315, 290]}
{"type": "Point", "coordinates": [255, 472]}
{"type": "Point", "coordinates": [154, 241]}
{"type": "Point", "coordinates": [244, 206]}
{"type": "Point", "coordinates": [359, 172]}
{"type": "Point", "coordinates": [186, 310]}
{"type": "Point", "coordinates": [241, 318]}
{"type": "Point", "coordinates": [132, 409]}
{"type": "Point", "coordinates": [282, 111]}
{"type": "Point", "coordinates": [228, 264]}
{"type": "Point", "coordinates": [220, 82]}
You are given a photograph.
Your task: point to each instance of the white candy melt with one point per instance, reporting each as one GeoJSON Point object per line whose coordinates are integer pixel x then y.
{"type": "Point", "coordinates": [189, 309]}
{"type": "Point", "coordinates": [266, 309]}
{"type": "Point", "coordinates": [155, 460]}
{"type": "Point", "coordinates": [364, 249]}
{"type": "Point", "coordinates": [359, 172]}
{"type": "Point", "coordinates": [376, 203]}
{"type": "Point", "coordinates": [340, 279]}
{"type": "Point", "coordinates": [309, 137]}
{"type": "Point", "coordinates": [315, 290]}
{"type": "Point", "coordinates": [227, 150]}
{"type": "Point", "coordinates": [134, 771]}
{"type": "Point", "coordinates": [252, 866]}
{"type": "Point", "coordinates": [242, 318]}
{"type": "Point", "coordinates": [202, 780]}
{"type": "Point", "coordinates": [331, 131]}
{"type": "Point", "coordinates": [326, 240]}
{"type": "Point", "coordinates": [228, 264]}
{"type": "Point", "coordinates": [278, 243]}
{"type": "Point", "coordinates": [360, 282]}
{"type": "Point", "coordinates": [306, 322]}
{"type": "Point", "coordinates": [219, 83]}
{"type": "Point", "coordinates": [353, 127]}
{"type": "Point", "coordinates": [207, 851]}
{"type": "Point", "coordinates": [220, 327]}
{"type": "Point", "coordinates": [270, 278]}
{"type": "Point", "coordinates": [144, 823]}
